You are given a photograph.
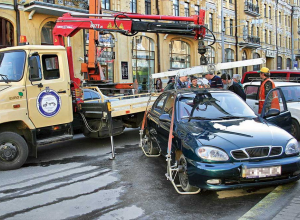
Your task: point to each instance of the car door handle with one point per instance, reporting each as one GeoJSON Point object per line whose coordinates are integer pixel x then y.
{"type": "Point", "coordinates": [256, 103]}
{"type": "Point", "coordinates": [62, 91]}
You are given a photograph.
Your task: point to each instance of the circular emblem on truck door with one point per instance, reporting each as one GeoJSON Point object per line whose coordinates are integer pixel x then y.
{"type": "Point", "coordinates": [48, 103]}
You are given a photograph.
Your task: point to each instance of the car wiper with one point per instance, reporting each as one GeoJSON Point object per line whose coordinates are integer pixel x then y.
{"type": "Point", "coordinates": [230, 117]}
{"type": "Point", "coordinates": [5, 78]}
{"type": "Point", "coordinates": [197, 118]}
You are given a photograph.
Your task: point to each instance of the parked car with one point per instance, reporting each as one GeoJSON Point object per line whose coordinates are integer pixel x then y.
{"type": "Point", "coordinates": [94, 96]}
{"type": "Point", "coordinates": [219, 143]}
{"type": "Point", "coordinates": [291, 92]}
{"type": "Point", "coordinates": [276, 75]}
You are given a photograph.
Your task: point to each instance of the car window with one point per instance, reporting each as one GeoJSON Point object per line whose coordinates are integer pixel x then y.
{"type": "Point", "coordinates": [87, 95]}
{"type": "Point", "coordinates": [168, 109]}
{"type": "Point", "coordinates": [295, 77]}
{"type": "Point", "coordinates": [50, 67]}
{"type": "Point", "coordinates": [213, 106]}
{"type": "Point", "coordinates": [158, 105]}
{"type": "Point", "coordinates": [291, 93]}
{"type": "Point", "coordinates": [279, 76]}
{"type": "Point", "coordinates": [95, 95]}
{"type": "Point", "coordinates": [274, 100]}
{"type": "Point", "coordinates": [252, 91]}
{"type": "Point", "coordinates": [249, 77]}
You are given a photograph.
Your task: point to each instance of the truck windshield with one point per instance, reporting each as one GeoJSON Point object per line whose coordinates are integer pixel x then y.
{"type": "Point", "coordinates": [12, 66]}
{"type": "Point", "coordinates": [209, 106]}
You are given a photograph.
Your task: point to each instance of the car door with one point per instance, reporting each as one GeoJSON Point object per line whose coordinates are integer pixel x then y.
{"type": "Point", "coordinates": [153, 122]}
{"type": "Point", "coordinates": [276, 100]}
{"type": "Point", "coordinates": [163, 129]}
{"type": "Point", "coordinates": [48, 91]}
{"type": "Point", "coordinates": [252, 96]}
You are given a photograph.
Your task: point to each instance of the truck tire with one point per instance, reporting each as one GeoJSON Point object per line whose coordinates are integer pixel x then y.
{"type": "Point", "coordinates": [13, 151]}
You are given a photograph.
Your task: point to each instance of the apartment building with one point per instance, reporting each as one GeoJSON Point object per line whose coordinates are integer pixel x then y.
{"type": "Point", "coordinates": [252, 29]}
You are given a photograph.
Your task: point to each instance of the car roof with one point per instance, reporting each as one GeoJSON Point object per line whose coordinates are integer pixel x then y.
{"type": "Point", "coordinates": [277, 71]}
{"type": "Point", "coordinates": [200, 90]}
{"type": "Point", "coordinates": [276, 83]}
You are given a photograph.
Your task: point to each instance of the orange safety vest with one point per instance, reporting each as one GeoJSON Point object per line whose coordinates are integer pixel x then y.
{"type": "Point", "coordinates": [262, 97]}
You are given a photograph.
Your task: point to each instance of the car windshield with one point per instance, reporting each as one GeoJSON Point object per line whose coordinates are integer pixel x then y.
{"type": "Point", "coordinates": [291, 93]}
{"type": "Point", "coordinates": [11, 66]}
{"type": "Point", "coordinates": [208, 106]}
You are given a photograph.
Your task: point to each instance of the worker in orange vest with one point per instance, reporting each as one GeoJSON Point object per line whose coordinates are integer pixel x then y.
{"type": "Point", "coordinates": [267, 85]}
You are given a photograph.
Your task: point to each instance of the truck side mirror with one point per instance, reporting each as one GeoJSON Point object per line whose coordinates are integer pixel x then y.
{"type": "Point", "coordinates": [34, 69]}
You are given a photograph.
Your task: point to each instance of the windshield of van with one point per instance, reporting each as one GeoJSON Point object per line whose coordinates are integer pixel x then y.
{"type": "Point", "coordinates": [12, 66]}
{"type": "Point", "coordinates": [291, 93]}
{"type": "Point", "coordinates": [209, 106]}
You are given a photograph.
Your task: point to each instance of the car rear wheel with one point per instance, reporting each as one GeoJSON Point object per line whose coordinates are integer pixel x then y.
{"type": "Point", "coordinates": [295, 129]}
{"type": "Point", "coordinates": [183, 176]}
{"type": "Point", "coordinates": [13, 151]}
{"type": "Point", "coordinates": [150, 148]}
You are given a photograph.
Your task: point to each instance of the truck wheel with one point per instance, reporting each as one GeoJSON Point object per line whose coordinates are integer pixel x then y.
{"type": "Point", "coordinates": [13, 151]}
{"type": "Point", "coordinates": [183, 176]}
{"type": "Point", "coordinates": [295, 129]}
{"type": "Point", "coordinates": [152, 150]}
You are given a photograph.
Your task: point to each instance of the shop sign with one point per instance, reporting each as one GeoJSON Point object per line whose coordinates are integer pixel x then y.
{"type": "Point", "coordinates": [270, 53]}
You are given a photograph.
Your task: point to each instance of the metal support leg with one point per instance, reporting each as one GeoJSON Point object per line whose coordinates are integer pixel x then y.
{"type": "Point", "coordinates": [112, 148]}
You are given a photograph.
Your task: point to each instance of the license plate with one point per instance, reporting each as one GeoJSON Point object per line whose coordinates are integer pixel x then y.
{"type": "Point", "coordinates": [261, 172]}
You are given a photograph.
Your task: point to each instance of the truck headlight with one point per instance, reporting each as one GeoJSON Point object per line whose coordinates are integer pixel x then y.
{"type": "Point", "coordinates": [292, 147]}
{"type": "Point", "coordinates": [212, 153]}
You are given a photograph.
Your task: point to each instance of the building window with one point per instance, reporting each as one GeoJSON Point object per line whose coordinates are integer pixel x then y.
{"type": "Point", "coordinates": [211, 55]}
{"type": "Point", "coordinates": [148, 7]}
{"type": "Point", "coordinates": [105, 4]}
{"type": "Point", "coordinates": [210, 21]}
{"type": "Point", "coordinates": [230, 1]}
{"type": "Point", "coordinates": [257, 31]}
{"type": "Point", "coordinates": [265, 10]}
{"type": "Point", "coordinates": [266, 36]}
{"type": "Point", "coordinates": [279, 40]}
{"type": "Point", "coordinates": [197, 9]}
{"type": "Point", "coordinates": [224, 24]}
{"type": "Point", "coordinates": [279, 17]}
{"type": "Point", "coordinates": [6, 33]}
{"type": "Point", "coordinates": [288, 63]}
{"type": "Point", "coordinates": [231, 27]}
{"type": "Point", "coordinates": [179, 55]}
{"type": "Point", "coordinates": [256, 67]}
{"type": "Point", "coordinates": [244, 57]}
{"type": "Point", "coordinates": [133, 6]}
{"type": "Point", "coordinates": [279, 63]}
{"type": "Point", "coordinates": [229, 57]}
{"type": "Point", "coordinates": [252, 30]}
{"type": "Point", "coordinates": [270, 37]}
{"type": "Point", "coordinates": [143, 55]}
{"type": "Point", "coordinates": [176, 7]}
{"type": "Point", "coordinates": [270, 14]}
{"type": "Point", "coordinates": [47, 33]}
{"type": "Point", "coordinates": [186, 9]}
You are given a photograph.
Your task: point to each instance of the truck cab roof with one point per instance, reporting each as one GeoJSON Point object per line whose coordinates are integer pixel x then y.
{"type": "Point", "coordinates": [34, 47]}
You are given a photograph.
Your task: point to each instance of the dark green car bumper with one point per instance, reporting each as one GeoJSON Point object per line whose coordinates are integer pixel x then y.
{"type": "Point", "coordinates": [229, 175]}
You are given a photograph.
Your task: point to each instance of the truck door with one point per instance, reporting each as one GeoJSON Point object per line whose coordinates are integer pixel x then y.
{"type": "Point", "coordinates": [275, 110]}
{"type": "Point", "coordinates": [48, 90]}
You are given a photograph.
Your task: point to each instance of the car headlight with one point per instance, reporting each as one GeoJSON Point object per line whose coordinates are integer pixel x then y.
{"type": "Point", "coordinates": [212, 153]}
{"type": "Point", "coordinates": [292, 147]}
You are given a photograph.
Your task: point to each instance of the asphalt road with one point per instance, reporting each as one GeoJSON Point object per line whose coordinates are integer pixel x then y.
{"type": "Point", "coordinates": [76, 180]}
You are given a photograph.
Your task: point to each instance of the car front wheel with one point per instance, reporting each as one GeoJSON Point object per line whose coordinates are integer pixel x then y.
{"type": "Point", "coordinates": [295, 129]}
{"type": "Point", "coordinates": [183, 176]}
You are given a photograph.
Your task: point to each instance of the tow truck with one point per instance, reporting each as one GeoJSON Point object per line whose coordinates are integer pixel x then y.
{"type": "Point", "coordinates": [40, 98]}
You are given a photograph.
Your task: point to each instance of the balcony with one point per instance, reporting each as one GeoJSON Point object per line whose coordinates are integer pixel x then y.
{"type": "Point", "coordinates": [251, 9]}
{"type": "Point", "coordinates": [250, 42]}
{"type": "Point", "coordinates": [56, 7]}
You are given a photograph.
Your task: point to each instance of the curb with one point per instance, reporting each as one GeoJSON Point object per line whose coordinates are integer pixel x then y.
{"type": "Point", "coordinates": [273, 203]}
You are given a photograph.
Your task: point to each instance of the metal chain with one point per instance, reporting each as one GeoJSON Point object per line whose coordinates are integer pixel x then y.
{"type": "Point", "coordinates": [87, 125]}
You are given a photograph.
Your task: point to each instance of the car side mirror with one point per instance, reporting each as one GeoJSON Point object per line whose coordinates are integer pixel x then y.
{"type": "Point", "coordinates": [34, 70]}
{"type": "Point", "coordinates": [272, 112]}
{"type": "Point", "coordinates": [165, 118]}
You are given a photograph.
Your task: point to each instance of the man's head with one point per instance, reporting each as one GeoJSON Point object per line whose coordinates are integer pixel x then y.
{"type": "Point", "coordinates": [208, 76]}
{"type": "Point", "coordinates": [183, 78]}
{"type": "Point", "coordinates": [194, 80]}
{"type": "Point", "coordinates": [236, 77]}
{"type": "Point", "coordinates": [226, 78]}
{"type": "Point", "coordinates": [264, 72]}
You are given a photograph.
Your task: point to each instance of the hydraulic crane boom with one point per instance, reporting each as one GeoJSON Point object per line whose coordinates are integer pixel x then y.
{"type": "Point", "coordinates": [127, 24]}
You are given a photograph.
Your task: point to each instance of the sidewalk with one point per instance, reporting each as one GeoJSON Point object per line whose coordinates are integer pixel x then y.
{"type": "Point", "coordinates": [283, 203]}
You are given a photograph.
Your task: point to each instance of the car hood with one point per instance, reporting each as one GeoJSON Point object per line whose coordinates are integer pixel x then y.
{"type": "Point", "coordinates": [237, 133]}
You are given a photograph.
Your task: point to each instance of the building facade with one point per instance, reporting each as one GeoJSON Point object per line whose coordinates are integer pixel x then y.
{"type": "Point", "coordinates": [252, 29]}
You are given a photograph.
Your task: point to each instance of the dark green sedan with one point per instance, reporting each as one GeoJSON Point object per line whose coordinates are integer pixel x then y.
{"type": "Point", "coordinates": [219, 143]}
